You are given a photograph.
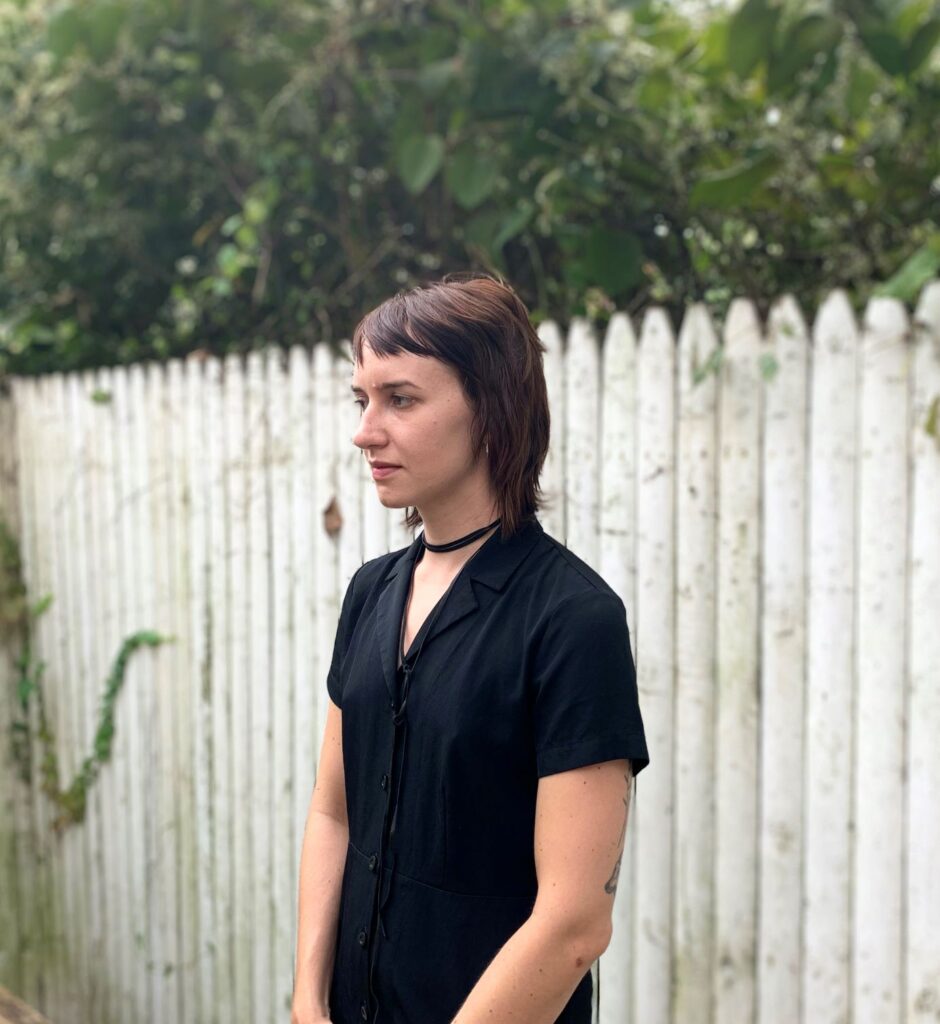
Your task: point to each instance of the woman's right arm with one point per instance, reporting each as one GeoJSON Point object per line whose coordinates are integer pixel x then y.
{"type": "Point", "coordinates": [322, 861]}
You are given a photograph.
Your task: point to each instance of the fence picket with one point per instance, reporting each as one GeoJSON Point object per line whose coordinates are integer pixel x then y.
{"type": "Point", "coordinates": [783, 655]}
{"type": "Point", "coordinates": [830, 624]}
{"type": "Point", "coordinates": [881, 504]}
{"type": "Point", "coordinates": [922, 833]}
{"type": "Point", "coordinates": [655, 664]}
{"type": "Point", "coordinates": [696, 512]}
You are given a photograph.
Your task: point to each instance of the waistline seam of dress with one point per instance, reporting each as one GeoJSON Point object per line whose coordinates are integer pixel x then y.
{"type": "Point", "coordinates": [436, 888]}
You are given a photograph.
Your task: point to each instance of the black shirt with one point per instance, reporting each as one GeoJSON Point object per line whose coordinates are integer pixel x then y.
{"type": "Point", "coordinates": [523, 669]}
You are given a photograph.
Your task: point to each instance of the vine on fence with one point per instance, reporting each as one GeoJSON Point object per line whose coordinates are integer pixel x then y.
{"type": "Point", "coordinates": [16, 622]}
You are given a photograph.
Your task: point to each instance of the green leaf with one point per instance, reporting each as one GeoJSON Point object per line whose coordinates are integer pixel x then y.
{"type": "Point", "coordinates": [470, 176]}
{"type": "Point", "coordinates": [827, 75]}
{"type": "Point", "coordinates": [256, 210]}
{"type": "Point", "coordinates": [809, 36]}
{"type": "Point", "coordinates": [911, 14]}
{"type": "Point", "coordinates": [885, 49]}
{"type": "Point", "coordinates": [730, 187]}
{"type": "Point", "coordinates": [656, 89]}
{"type": "Point", "coordinates": [246, 236]}
{"type": "Point", "coordinates": [231, 261]}
{"type": "Point", "coordinates": [922, 44]}
{"type": "Point", "coordinates": [914, 273]}
{"type": "Point", "coordinates": [515, 222]}
{"type": "Point", "coordinates": [714, 44]}
{"type": "Point", "coordinates": [419, 159]}
{"type": "Point", "coordinates": [102, 27]}
{"type": "Point", "coordinates": [63, 33]}
{"type": "Point", "coordinates": [750, 35]}
{"type": "Point", "coordinates": [612, 260]}
{"type": "Point", "coordinates": [863, 81]}
{"type": "Point", "coordinates": [481, 230]}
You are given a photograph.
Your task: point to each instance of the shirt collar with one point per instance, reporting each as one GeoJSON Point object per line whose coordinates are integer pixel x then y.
{"type": "Point", "coordinates": [493, 563]}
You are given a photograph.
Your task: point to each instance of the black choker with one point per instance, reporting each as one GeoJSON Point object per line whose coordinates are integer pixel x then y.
{"type": "Point", "coordinates": [460, 542]}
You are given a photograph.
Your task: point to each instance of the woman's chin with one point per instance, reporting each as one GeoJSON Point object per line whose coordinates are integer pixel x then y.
{"type": "Point", "coordinates": [390, 500]}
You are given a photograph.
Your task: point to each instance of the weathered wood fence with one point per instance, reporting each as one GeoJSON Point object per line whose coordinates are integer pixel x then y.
{"type": "Point", "coordinates": [765, 498]}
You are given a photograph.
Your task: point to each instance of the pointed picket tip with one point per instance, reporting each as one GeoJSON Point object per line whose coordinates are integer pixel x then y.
{"type": "Point", "coordinates": [298, 359]}
{"type": "Point", "coordinates": [656, 332]}
{"type": "Point", "coordinates": [618, 353]}
{"type": "Point", "coordinates": [786, 316]}
{"type": "Point", "coordinates": [787, 333]}
{"type": "Point", "coordinates": [580, 335]}
{"type": "Point", "coordinates": [698, 341]}
{"type": "Point", "coordinates": [322, 358]}
{"type": "Point", "coordinates": [345, 350]}
{"type": "Point", "coordinates": [742, 328]}
{"type": "Point", "coordinates": [835, 324]}
{"type": "Point", "coordinates": [620, 332]}
{"type": "Point", "coordinates": [231, 361]}
{"type": "Point", "coordinates": [698, 330]}
{"type": "Point", "coordinates": [550, 335]}
{"type": "Point", "coordinates": [885, 317]}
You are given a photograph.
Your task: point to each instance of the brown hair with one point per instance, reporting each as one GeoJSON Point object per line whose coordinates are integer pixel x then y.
{"type": "Point", "coordinates": [480, 327]}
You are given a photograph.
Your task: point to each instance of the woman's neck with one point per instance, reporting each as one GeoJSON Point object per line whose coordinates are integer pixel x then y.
{"type": "Point", "coordinates": [444, 530]}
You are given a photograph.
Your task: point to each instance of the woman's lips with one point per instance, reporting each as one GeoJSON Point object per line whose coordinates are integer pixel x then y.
{"type": "Point", "coordinates": [381, 472]}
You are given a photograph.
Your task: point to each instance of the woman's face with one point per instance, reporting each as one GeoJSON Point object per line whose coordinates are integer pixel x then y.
{"type": "Point", "coordinates": [415, 416]}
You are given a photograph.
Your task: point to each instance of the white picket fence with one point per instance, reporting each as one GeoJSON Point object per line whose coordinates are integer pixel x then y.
{"type": "Point", "coordinates": [773, 528]}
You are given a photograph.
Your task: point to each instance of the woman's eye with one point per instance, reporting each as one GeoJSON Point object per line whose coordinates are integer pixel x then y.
{"type": "Point", "coordinates": [397, 401]}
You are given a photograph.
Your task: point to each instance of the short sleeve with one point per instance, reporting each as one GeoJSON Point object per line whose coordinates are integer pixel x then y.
{"type": "Point", "coordinates": [344, 628]}
{"type": "Point", "coordinates": [585, 704]}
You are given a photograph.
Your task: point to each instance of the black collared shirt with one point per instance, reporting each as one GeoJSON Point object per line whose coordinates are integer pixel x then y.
{"type": "Point", "coordinates": [524, 670]}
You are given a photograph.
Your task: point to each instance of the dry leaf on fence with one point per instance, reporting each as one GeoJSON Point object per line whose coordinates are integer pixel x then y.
{"type": "Point", "coordinates": [332, 519]}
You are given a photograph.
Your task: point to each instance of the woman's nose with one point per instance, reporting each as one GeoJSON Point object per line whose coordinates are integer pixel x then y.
{"type": "Point", "coordinates": [369, 433]}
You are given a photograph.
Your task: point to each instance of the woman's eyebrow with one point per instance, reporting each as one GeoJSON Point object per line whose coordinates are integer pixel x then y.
{"type": "Point", "coordinates": [389, 384]}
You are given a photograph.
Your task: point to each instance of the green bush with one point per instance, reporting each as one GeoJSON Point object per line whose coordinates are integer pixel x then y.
{"type": "Point", "coordinates": [227, 174]}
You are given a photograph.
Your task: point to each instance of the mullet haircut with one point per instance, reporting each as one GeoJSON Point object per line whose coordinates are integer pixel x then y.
{"type": "Point", "coordinates": [477, 325]}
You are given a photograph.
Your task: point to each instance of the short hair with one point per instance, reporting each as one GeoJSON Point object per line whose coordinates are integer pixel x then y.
{"type": "Point", "coordinates": [479, 326]}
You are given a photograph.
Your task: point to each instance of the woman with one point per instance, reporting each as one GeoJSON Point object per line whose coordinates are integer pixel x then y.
{"type": "Point", "coordinates": [466, 828]}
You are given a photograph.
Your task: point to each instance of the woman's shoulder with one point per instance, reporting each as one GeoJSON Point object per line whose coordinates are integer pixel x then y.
{"type": "Point", "coordinates": [364, 580]}
{"type": "Point", "coordinates": [565, 578]}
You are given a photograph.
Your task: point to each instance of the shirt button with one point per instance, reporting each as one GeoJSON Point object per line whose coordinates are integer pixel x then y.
{"type": "Point", "coordinates": [363, 938]}
{"type": "Point", "coordinates": [373, 860]}
{"type": "Point", "coordinates": [363, 1011]}
{"type": "Point", "coordinates": [384, 781]}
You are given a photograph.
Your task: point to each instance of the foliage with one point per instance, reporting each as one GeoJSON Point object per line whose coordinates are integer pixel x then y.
{"type": "Point", "coordinates": [180, 175]}
{"type": "Point", "coordinates": [16, 625]}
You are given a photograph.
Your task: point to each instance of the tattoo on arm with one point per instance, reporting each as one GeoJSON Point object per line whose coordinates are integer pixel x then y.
{"type": "Point", "coordinates": [610, 886]}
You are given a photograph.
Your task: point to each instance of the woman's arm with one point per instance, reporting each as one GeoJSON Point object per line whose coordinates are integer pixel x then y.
{"type": "Point", "coordinates": [580, 828]}
{"type": "Point", "coordinates": [322, 861]}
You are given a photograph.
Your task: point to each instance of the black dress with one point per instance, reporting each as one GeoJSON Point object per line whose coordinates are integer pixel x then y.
{"type": "Point", "coordinates": [521, 670]}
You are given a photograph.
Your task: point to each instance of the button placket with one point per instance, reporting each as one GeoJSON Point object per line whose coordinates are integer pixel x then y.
{"type": "Point", "coordinates": [388, 783]}
{"type": "Point", "coordinates": [376, 863]}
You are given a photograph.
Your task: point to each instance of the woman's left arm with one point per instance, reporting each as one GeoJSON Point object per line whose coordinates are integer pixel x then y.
{"type": "Point", "coordinates": [580, 827]}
